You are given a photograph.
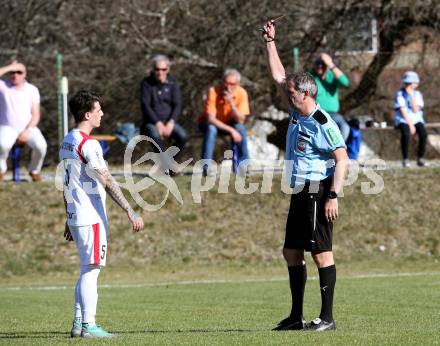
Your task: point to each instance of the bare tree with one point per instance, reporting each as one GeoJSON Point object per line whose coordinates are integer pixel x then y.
{"type": "Point", "coordinates": [398, 26]}
{"type": "Point", "coordinates": [107, 46]}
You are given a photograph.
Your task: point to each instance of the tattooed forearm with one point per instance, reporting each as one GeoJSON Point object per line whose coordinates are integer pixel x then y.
{"type": "Point", "coordinates": [113, 189]}
{"type": "Point", "coordinates": [116, 194]}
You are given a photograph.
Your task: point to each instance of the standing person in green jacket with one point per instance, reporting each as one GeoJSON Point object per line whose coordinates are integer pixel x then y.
{"type": "Point", "coordinates": [330, 79]}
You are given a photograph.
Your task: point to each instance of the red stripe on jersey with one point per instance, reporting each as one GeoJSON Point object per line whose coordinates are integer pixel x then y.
{"type": "Point", "coordinates": [85, 138]}
{"type": "Point", "coordinates": [96, 244]}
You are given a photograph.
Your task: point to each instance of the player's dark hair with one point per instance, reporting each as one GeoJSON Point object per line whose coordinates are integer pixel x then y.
{"type": "Point", "coordinates": [303, 82]}
{"type": "Point", "coordinates": [81, 103]}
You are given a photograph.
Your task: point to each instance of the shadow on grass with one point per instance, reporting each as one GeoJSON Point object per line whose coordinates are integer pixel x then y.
{"type": "Point", "coordinates": [34, 335]}
{"type": "Point", "coordinates": [230, 330]}
{"type": "Point", "coordinates": [46, 335]}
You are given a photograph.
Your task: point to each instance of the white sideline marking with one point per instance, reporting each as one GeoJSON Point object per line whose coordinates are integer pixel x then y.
{"type": "Point", "coordinates": [216, 281]}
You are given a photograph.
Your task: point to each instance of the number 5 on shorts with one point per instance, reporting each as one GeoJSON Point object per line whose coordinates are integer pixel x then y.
{"type": "Point", "coordinates": [103, 248]}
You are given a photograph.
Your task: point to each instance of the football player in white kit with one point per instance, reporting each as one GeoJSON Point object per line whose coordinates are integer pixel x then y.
{"type": "Point", "coordinates": [86, 182]}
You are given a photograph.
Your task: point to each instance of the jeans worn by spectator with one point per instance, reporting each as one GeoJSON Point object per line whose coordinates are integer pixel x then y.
{"type": "Point", "coordinates": [210, 135]}
{"type": "Point", "coordinates": [342, 124]}
{"type": "Point", "coordinates": [179, 136]}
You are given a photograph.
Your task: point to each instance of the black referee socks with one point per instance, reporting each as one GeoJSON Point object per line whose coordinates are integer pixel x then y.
{"type": "Point", "coordinates": [297, 279]}
{"type": "Point", "coordinates": [327, 282]}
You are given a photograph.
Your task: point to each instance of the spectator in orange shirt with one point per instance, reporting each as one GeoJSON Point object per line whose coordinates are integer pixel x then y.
{"type": "Point", "coordinates": [226, 109]}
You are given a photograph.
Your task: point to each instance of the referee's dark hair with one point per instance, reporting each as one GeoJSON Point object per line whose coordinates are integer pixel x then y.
{"type": "Point", "coordinates": [303, 82]}
{"type": "Point", "coordinates": [81, 103]}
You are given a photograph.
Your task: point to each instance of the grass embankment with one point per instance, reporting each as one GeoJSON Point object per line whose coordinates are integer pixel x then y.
{"type": "Point", "coordinates": [227, 230]}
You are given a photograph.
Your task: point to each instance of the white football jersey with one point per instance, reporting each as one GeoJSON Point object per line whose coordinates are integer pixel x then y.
{"type": "Point", "coordinates": [80, 155]}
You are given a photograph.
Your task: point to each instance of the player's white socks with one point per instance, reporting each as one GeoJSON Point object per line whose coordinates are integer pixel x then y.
{"type": "Point", "coordinates": [77, 313]}
{"type": "Point", "coordinates": [86, 294]}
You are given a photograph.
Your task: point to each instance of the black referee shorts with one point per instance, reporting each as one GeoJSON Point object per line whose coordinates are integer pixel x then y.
{"type": "Point", "coordinates": [307, 227]}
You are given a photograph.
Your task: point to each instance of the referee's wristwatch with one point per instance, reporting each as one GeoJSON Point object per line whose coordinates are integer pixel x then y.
{"type": "Point", "coordinates": [332, 195]}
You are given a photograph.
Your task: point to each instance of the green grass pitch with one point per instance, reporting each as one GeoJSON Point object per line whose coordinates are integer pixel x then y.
{"type": "Point", "coordinates": [377, 310]}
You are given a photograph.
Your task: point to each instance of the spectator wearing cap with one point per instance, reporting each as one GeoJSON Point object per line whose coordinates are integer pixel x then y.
{"type": "Point", "coordinates": [19, 117]}
{"type": "Point", "coordinates": [329, 79]}
{"type": "Point", "coordinates": [408, 108]}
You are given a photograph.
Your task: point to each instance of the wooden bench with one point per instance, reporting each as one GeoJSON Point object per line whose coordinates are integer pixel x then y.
{"type": "Point", "coordinates": [104, 140]}
{"type": "Point", "coordinates": [15, 153]}
{"type": "Point", "coordinates": [433, 139]}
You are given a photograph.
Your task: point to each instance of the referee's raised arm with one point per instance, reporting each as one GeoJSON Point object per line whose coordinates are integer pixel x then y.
{"type": "Point", "coordinates": [276, 67]}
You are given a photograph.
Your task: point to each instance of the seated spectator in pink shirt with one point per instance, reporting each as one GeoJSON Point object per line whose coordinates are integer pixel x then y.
{"type": "Point", "coordinates": [19, 117]}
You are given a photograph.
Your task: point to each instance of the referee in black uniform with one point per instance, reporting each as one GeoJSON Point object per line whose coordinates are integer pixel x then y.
{"type": "Point", "coordinates": [317, 161]}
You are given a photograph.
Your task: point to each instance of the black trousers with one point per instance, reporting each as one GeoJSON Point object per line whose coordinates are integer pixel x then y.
{"type": "Point", "coordinates": [404, 141]}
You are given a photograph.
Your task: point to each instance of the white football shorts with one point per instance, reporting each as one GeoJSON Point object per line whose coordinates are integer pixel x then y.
{"type": "Point", "coordinates": [91, 242]}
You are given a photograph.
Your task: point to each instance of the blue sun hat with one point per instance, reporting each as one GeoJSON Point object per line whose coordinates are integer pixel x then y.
{"type": "Point", "coordinates": [411, 77]}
